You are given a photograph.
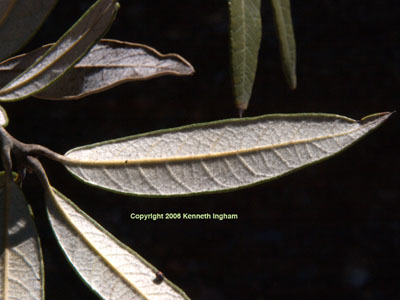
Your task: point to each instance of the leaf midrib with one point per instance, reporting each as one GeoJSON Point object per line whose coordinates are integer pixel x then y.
{"type": "Point", "coordinates": [127, 162]}
{"type": "Point", "coordinates": [91, 246]}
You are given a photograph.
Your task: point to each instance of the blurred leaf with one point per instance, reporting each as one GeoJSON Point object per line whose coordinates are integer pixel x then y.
{"type": "Point", "coordinates": [287, 42]}
{"type": "Point", "coordinates": [216, 156]}
{"type": "Point", "coordinates": [106, 65]}
{"type": "Point", "coordinates": [245, 30]}
{"type": "Point", "coordinates": [19, 21]}
{"type": "Point", "coordinates": [109, 267]}
{"type": "Point", "coordinates": [21, 263]}
{"type": "Point", "coordinates": [64, 54]}
{"type": "Point", "coordinates": [3, 117]}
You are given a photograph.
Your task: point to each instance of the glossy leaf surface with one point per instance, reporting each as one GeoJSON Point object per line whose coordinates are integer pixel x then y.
{"type": "Point", "coordinates": [216, 156]}
{"type": "Point", "coordinates": [106, 65]}
{"type": "Point", "coordinates": [21, 265]}
{"type": "Point", "coordinates": [111, 269]}
{"type": "Point", "coordinates": [19, 21]}
{"type": "Point", "coordinates": [65, 52]}
{"type": "Point", "coordinates": [245, 31]}
{"type": "Point", "coordinates": [284, 26]}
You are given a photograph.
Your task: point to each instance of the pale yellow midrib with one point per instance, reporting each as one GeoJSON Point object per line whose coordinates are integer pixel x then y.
{"type": "Point", "coordinates": [122, 162]}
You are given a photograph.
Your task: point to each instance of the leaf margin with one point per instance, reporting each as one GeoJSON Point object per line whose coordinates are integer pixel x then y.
{"type": "Point", "coordinates": [383, 115]}
{"type": "Point", "coordinates": [51, 192]}
{"type": "Point", "coordinates": [115, 6]}
{"type": "Point", "coordinates": [33, 33]}
{"type": "Point", "coordinates": [130, 79]}
{"type": "Point", "coordinates": [287, 43]}
{"type": "Point", "coordinates": [34, 227]}
{"type": "Point", "coordinates": [242, 92]}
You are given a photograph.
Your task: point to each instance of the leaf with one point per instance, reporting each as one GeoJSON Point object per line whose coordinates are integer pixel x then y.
{"type": "Point", "coordinates": [19, 21]}
{"type": "Point", "coordinates": [109, 267]}
{"type": "Point", "coordinates": [245, 31]}
{"type": "Point", "coordinates": [21, 263]}
{"type": "Point", "coordinates": [106, 65]}
{"type": "Point", "coordinates": [216, 156]}
{"type": "Point", "coordinates": [14, 66]}
{"type": "Point", "coordinates": [65, 52]}
{"type": "Point", "coordinates": [3, 117]}
{"type": "Point", "coordinates": [287, 42]}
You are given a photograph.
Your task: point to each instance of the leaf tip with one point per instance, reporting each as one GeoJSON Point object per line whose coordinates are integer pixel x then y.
{"type": "Point", "coordinates": [189, 69]}
{"type": "Point", "coordinates": [192, 70]}
{"type": "Point", "coordinates": [241, 107]}
{"type": "Point", "coordinates": [382, 116]}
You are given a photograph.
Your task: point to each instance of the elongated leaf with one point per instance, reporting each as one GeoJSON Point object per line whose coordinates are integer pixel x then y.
{"type": "Point", "coordinates": [64, 54]}
{"type": "Point", "coordinates": [111, 269]}
{"type": "Point", "coordinates": [216, 156]}
{"type": "Point", "coordinates": [21, 263]}
{"type": "Point", "coordinates": [284, 26]}
{"type": "Point", "coordinates": [107, 64]}
{"type": "Point", "coordinates": [245, 43]}
{"type": "Point", "coordinates": [3, 117]}
{"type": "Point", "coordinates": [19, 21]}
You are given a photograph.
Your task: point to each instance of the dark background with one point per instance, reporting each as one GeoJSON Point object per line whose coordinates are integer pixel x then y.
{"type": "Point", "coordinates": [330, 231]}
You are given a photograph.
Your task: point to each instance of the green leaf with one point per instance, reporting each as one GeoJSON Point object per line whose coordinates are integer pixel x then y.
{"type": "Point", "coordinates": [106, 65]}
{"type": "Point", "coordinates": [245, 30]}
{"type": "Point", "coordinates": [21, 263]}
{"type": "Point", "coordinates": [109, 267]}
{"type": "Point", "coordinates": [216, 156]}
{"type": "Point", "coordinates": [3, 117]}
{"type": "Point", "coordinates": [19, 21]}
{"type": "Point", "coordinates": [67, 51]}
{"type": "Point", "coordinates": [287, 42]}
